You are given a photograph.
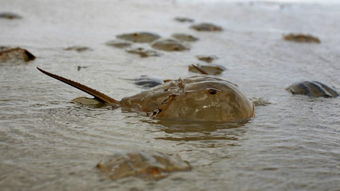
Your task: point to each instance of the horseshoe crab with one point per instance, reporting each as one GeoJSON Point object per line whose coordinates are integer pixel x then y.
{"type": "Point", "coordinates": [197, 98]}
{"type": "Point", "coordinates": [15, 55]}
{"type": "Point", "coordinates": [207, 27]}
{"type": "Point", "coordinates": [146, 165]}
{"type": "Point", "coordinates": [302, 38]}
{"type": "Point", "coordinates": [312, 89]}
{"type": "Point", "coordinates": [139, 37]}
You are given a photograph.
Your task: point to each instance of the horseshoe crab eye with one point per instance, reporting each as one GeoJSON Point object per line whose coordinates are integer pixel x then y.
{"type": "Point", "coordinates": [212, 91]}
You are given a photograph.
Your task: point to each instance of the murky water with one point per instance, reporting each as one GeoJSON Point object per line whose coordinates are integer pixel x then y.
{"type": "Point", "coordinates": [47, 143]}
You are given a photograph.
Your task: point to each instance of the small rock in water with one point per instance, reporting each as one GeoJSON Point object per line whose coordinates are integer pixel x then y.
{"type": "Point", "coordinates": [139, 37]}
{"type": "Point", "coordinates": [312, 89]}
{"type": "Point", "coordinates": [169, 45]}
{"type": "Point", "coordinates": [303, 38]}
{"type": "Point", "coordinates": [208, 27]}
{"type": "Point", "coordinates": [8, 15]}
{"type": "Point", "coordinates": [15, 55]}
{"type": "Point", "coordinates": [146, 165]}
{"type": "Point", "coordinates": [147, 82]}
{"type": "Point", "coordinates": [118, 44]}
{"type": "Point", "coordinates": [89, 102]}
{"type": "Point", "coordinates": [184, 37]}
{"type": "Point", "coordinates": [143, 52]}
{"type": "Point", "coordinates": [78, 48]}
{"type": "Point", "coordinates": [184, 19]}
{"type": "Point", "coordinates": [207, 59]}
{"type": "Point", "coordinates": [211, 69]}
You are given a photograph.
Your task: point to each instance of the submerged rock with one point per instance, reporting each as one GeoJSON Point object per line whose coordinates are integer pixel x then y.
{"type": "Point", "coordinates": [142, 52]}
{"type": "Point", "coordinates": [303, 38]}
{"type": "Point", "coordinates": [312, 89]}
{"type": "Point", "coordinates": [169, 45]}
{"type": "Point", "coordinates": [146, 165]}
{"type": "Point", "coordinates": [8, 15]}
{"type": "Point", "coordinates": [139, 37]}
{"type": "Point", "coordinates": [78, 48]}
{"type": "Point", "coordinates": [211, 69]}
{"type": "Point", "coordinates": [195, 99]}
{"type": "Point", "coordinates": [207, 59]}
{"type": "Point", "coordinates": [89, 102]}
{"type": "Point", "coordinates": [184, 19]}
{"type": "Point", "coordinates": [208, 27]}
{"type": "Point", "coordinates": [147, 82]}
{"type": "Point", "coordinates": [118, 44]}
{"type": "Point", "coordinates": [184, 37]}
{"type": "Point", "coordinates": [15, 55]}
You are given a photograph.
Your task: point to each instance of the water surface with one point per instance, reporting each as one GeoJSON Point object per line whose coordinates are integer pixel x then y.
{"type": "Point", "coordinates": [47, 143]}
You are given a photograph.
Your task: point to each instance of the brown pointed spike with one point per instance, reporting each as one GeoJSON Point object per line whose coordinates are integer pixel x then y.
{"type": "Point", "coordinates": [100, 96]}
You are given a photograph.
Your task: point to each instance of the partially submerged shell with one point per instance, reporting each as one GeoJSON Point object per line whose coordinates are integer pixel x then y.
{"type": "Point", "coordinates": [139, 37]}
{"type": "Point", "coordinates": [142, 52]}
{"type": "Point", "coordinates": [207, 27]}
{"type": "Point", "coordinates": [146, 165]}
{"type": "Point", "coordinates": [211, 69]}
{"type": "Point", "coordinates": [169, 45]}
{"type": "Point", "coordinates": [197, 98]}
{"type": "Point", "coordinates": [184, 37]}
{"type": "Point", "coordinates": [312, 89]}
{"type": "Point", "coordinates": [15, 55]}
{"type": "Point", "coordinates": [302, 38]}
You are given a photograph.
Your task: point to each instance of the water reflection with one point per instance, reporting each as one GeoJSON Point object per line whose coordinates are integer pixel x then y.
{"type": "Point", "coordinates": [202, 131]}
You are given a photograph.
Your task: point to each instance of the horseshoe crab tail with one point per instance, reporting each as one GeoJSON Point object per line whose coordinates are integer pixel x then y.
{"type": "Point", "coordinates": [98, 95]}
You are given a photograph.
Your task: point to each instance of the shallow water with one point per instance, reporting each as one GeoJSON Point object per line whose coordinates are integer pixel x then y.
{"type": "Point", "coordinates": [47, 143]}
